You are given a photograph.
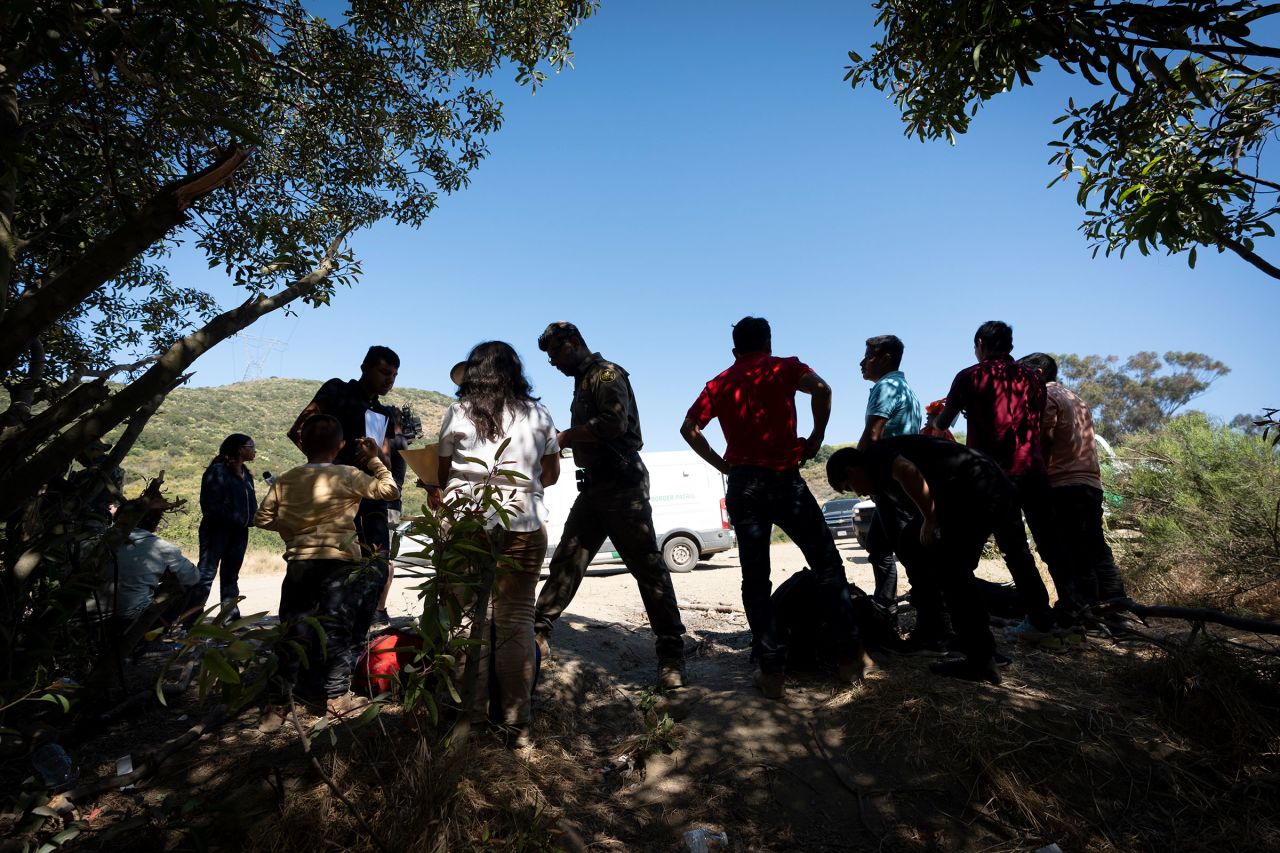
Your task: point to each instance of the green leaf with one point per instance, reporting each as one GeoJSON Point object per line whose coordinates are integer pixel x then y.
{"type": "Point", "coordinates": [216, 664]}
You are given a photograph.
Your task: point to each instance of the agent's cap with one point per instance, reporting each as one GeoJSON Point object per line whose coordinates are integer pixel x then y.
{"type": "Point", "coordinates": [556, 332]}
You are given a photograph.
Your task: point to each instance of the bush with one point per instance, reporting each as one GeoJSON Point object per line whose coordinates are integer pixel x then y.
{"type": "Point", "coordinates": [1206, 502]}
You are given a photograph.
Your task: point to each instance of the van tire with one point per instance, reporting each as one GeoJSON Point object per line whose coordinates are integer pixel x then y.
{"type": "Point", "coordinates": [680, 554]}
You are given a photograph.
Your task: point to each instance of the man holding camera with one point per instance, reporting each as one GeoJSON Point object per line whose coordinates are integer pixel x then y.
{"type": "Point", "coordinates": [613, 499]}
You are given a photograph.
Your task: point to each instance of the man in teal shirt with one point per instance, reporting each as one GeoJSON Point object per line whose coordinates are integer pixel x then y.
{"type": "Point", "coordinates": [893, 410]}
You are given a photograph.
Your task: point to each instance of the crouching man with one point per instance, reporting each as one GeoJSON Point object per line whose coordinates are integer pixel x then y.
{"type": "Point", "coordinates": [313, 508]}
{"type": "Point", "coordinates": [957, 498]}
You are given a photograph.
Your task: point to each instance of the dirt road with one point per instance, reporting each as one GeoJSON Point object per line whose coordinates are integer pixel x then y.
{"type": "Point", "coordinates": [714, 583]}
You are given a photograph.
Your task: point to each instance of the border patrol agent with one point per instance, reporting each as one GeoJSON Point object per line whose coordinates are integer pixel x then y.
{"type": "Point", "coordinates": [613, 498]}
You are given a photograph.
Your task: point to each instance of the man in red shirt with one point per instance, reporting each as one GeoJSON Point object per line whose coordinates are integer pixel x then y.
{"type": "Point", "coordinates": [755, 402]}
{"type": "Point", "coordinates": [1003, 402]}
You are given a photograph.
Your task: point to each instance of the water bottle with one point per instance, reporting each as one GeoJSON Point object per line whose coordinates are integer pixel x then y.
{"type": "Point", "coordinates": [271, 481]}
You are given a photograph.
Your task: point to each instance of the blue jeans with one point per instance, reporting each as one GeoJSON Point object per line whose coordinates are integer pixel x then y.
{"type": "Point", "coordinates": [222, 548]}
{"type": "Point", "coordinates": [757, 499]}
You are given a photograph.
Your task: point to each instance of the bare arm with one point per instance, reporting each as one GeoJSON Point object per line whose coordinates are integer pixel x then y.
{"type": "Point", "coordinates": [948, 415]}
{"type": "Point", "coordinates": [917, 489]}
{"type": "Point", "coordinates": [266, 516]}
{"type": "Point", "coordinates": [383, 487]}
{"type": "Point", "coordinates": [872, 432]}
{"type": "Point", "coordinates": [550, 472]}
{"type": "Point", "coordinates": [812, 384]}
{"type": "Point", "coordinates": [295, 431]}
{"type": "Point", "coordinates": [692, 434]}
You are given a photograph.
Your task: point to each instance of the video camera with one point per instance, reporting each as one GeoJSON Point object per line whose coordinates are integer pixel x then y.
{"type": "Point", "coordinates": [410, 424]}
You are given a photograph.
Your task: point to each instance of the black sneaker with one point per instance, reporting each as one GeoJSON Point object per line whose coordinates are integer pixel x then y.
{"type": "Point", "coordinates": [381, 620]}
{"type": "Point", "coordinates": [968, 669]}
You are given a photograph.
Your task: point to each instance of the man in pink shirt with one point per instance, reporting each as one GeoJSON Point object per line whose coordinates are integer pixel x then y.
{"type": "Point", "coordinates": [1075, 480]}
{"type": "Point", "coordinates": [755, 402]}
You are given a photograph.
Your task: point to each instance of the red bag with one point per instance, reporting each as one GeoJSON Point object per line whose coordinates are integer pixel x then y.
{"type": "Point", "coordinates": [386, 654]}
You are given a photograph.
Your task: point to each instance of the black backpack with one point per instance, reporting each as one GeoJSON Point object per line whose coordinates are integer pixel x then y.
{"type": "Point", "coordinates": [796, 609]}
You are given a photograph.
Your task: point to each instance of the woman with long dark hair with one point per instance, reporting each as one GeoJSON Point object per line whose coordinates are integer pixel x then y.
{"type": "Point", "coordinates": [227, 506]}
{"type": "Point", "coordinates": [496, 405]}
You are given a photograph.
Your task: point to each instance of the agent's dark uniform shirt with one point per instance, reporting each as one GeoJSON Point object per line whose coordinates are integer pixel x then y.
{"type": "Point", "coordinates": [613, 503]}
{"type": "Point", "coordinates": [604, 403]}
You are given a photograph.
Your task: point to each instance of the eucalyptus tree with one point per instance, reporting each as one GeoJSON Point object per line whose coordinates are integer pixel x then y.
{"type": "Point", "coordinates": [1170, 155]}
{"type": "Point", "coordinates": [1142, 392]}
{"type": "Point", "coordinates": [259, 132]}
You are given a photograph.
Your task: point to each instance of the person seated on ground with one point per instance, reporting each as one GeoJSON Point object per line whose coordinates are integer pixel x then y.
{"type": "Point", "coordinates": [1075, 485]}
{"type": "Point", "coordinates": [313, 508]}
{"type": "Point", "coordinates": [135, 574]}
{"type": "Point", "coordinates": [957, 498]}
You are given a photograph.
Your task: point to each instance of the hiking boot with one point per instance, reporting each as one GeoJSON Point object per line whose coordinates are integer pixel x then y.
{"type": "Point", "coordinates": [771, 684]}
{"type": "Point", "coordinates": [1025, 632]}
{"type": "Point", "coordinates": [272, 718]}
{"type": "Point", "coordinates": [1001, 660]}
{"type": "Point", "coordinates": [670, 674]}
{"type": "Point", "coordinates": [968, 669]}
{"type": "Point", "coordinates": [381, 620]}
{"type": "Point", "coordinates": [544, 646]}
{"type": "Point", "coordinates": [346, 705]}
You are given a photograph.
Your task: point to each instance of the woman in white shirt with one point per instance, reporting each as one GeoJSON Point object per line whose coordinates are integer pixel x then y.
{"type": "Point", "coordinates": [495, 405]}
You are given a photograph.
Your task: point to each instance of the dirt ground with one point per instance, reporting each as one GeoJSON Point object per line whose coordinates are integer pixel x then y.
{"type": "Point", "coordinates": [1104, 748]}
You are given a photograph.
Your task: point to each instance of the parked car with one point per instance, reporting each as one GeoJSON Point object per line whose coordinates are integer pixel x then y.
{"type": "Point", "coordinates": [863, 512]}
{"type": "Point", "coordinates": [838, 513]}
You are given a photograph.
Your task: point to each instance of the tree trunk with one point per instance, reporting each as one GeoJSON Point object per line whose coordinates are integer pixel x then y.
{"type": "Point", "coordinates": [20, 441]}
{"type": "Point", "coordinates": [25, 478]}
{"type": "Point", "coordinates": [9, 133]}
{"type": "Point", "coordinates": [36, 310]}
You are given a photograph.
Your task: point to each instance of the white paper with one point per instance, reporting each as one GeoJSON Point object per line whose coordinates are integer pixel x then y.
{"type": "Point", "coordinates": [375, 426]}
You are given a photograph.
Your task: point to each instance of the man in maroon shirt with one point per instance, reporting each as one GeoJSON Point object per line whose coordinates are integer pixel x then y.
{"type": "Point", "coordinates": [755, 402]}
{"type": "Point", "coordinates": [1002, 402]}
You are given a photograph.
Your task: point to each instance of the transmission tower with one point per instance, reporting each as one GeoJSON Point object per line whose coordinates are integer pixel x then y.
{"type": "Point", "coordinates": [257, 351]}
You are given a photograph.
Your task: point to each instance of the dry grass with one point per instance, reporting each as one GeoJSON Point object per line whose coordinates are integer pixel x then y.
{"type": "Point", "coordinates": [1091, 763]}
{"type": "Point", "coordinates": [256, 561]}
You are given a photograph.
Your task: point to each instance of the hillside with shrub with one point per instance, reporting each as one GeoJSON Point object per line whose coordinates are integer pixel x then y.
{"type": "Point", "coordinates": [184, 435]}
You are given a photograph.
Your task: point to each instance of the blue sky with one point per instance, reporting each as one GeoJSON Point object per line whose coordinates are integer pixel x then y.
{"type": "Point", "coordinates": [706, 161]}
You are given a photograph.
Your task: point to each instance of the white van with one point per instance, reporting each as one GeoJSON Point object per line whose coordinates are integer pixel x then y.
{"type": "Point", "coordinates": [689, 514]}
